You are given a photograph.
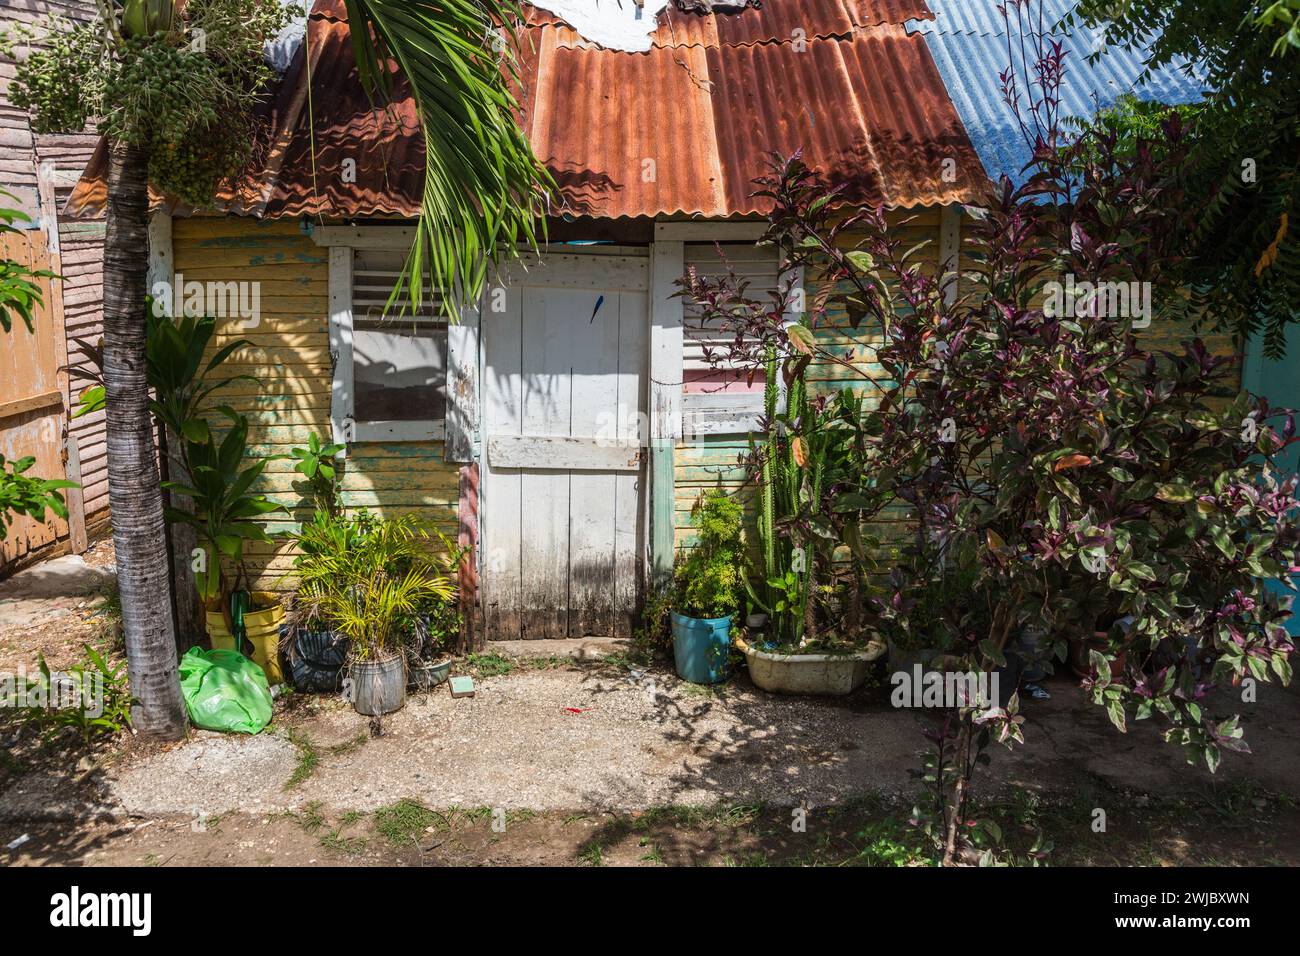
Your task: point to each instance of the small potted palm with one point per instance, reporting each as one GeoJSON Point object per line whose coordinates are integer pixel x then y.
{"type": "Point", "coordinates": [709, 587]}
{"type": "Point", "coordinates": [429, 654]}
{"type": "Point", "coordinates": [370, 588]}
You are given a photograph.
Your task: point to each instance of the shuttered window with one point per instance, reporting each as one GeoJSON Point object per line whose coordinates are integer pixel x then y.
{"type": "Point", "coordinates": [717, 398]}
{"type": "Point", "coordinates": [399, 357]}
{"type": "Point", "coordinates": [752, 263]}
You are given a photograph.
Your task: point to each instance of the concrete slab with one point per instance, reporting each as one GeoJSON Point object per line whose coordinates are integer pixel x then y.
{"type": "Point", "coordinates": [580, 649]}
{"type": "Point", "coordinates": [49, 591]}
{"type": "Point", "coordinates": [67, 576]}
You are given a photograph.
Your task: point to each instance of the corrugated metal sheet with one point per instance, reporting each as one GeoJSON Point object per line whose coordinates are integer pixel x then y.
{"type": "Point", "coordinates": [683, 128]}
{"type": "Point", "coordinates": [968, 40]}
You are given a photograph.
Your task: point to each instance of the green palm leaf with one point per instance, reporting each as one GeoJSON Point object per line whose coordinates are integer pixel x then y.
{"type": "Point", "coordinates": [484, 192]}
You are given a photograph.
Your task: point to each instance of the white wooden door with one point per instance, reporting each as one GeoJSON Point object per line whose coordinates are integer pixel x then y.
{"type": "Point", "coordinates": [565, 348]}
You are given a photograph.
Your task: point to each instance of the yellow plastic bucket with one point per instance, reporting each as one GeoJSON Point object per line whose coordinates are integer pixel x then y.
{"type": "Point", "coordinates": [263, 631]}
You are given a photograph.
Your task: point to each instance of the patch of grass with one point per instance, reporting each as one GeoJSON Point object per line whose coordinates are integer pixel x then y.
{"type": "Point", "coordinates": [334, 840]}
{"type": "Point", "coordinates": [401, 823]}
{"type": "Point", "coordinates": [212, 824]}
{"type": "Point", "coordinates": [309, 817]}
{"type": "Point", "coordinates": [469, 814]}
{"type": "Point", "coordinates": [654, 855]}
{"type": "Point", "coordinates": [310, 755]}
{"type": "Point", "coordinates": [694, 817]}
{"type": "Point", "coordinates": [891, 842]}
{"type": "Point", "coordinates": [489, 665]}
{"type": "Point", "coordinates": [548, 662]}
{"type": "Point", "coordinates": [592, 853]}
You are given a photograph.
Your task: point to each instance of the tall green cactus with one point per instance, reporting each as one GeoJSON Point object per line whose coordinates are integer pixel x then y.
{"type": "Point", "coordinates": [783, 591]}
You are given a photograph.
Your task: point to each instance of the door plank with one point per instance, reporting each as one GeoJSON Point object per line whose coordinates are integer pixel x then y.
{"type": "Point", "coordinates": [628, 520]}
{"type": "Point", "coordinates": [567, 452]}
{"type": "Point", "coordinates": [502, 518]}
{"type": "Point", "coordinates": [547, 374]}
{"type": "Point", "coordinates": [594, 411]}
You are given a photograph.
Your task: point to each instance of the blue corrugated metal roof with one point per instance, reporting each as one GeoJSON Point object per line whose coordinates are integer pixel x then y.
{"type": "Point", "coordinates": [969, 42]}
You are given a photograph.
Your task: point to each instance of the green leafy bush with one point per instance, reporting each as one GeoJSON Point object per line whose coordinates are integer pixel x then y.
{"type": "Point", "coordinates": [226, 514]}
{"type": "Point", "coordinates": [318, 463]}
{"type": "Point", "coordinates": [92, 699]}
{"type": "Point", "coordinates": [709, 580]}
{"type": "Point", "coordinates": [22, 495]}
{"type": "Point", "coordinates": [183, 80]}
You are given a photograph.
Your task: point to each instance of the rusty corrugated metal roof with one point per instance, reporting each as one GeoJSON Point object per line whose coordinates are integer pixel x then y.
{"type": "Point", "coordinates": [681, 129]}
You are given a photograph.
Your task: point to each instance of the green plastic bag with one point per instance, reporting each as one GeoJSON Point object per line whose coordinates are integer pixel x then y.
{"type": "Point", "coordinates": [224, 690]}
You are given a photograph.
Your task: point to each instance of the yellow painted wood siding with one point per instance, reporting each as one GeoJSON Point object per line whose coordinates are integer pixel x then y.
{"type": "Point", "coordinates": [290, 360]}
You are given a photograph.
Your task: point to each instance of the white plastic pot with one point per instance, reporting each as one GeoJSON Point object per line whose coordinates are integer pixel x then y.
{"type": "Point", "coordinates": [809, 673]}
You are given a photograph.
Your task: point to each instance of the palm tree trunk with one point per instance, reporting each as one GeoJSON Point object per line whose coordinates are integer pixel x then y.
{"type": "Point", "coordinates": [134, 493]}
{"type": "Point", "coordinates": [191, 625]}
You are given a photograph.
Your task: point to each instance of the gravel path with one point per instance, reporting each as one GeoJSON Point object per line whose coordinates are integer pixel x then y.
{"type": "Point", "coordinates": [596, 738]}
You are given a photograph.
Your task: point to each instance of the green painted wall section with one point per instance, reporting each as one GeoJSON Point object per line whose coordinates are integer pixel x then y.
{"type": "Point", "coordinates": [1279, 381]}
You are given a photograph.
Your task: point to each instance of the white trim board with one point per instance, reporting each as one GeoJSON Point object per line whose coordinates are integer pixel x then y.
{"type": "Point", "coordinates": [704, 230]}
{"type": "Point", "coordinates": [563, 452]}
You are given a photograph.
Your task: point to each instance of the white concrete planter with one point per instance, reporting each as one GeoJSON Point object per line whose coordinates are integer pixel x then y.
{"type": "Point", "coordinates": [809, 673]}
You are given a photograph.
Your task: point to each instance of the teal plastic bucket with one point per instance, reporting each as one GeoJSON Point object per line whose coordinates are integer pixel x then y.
{"type": "Point", "coordinates": [702, 648]}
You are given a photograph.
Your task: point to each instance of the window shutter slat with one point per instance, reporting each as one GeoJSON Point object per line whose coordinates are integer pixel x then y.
{"type": "Point", "coordinates": [756, 264]}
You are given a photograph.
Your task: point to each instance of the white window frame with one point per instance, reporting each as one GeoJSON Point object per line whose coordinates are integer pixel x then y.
{"type": "Point", "coordinates": [347, 430]}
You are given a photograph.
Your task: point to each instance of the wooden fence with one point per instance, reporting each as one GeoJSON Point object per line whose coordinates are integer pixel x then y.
{"type": "Point", "coordinates": [33, 406]}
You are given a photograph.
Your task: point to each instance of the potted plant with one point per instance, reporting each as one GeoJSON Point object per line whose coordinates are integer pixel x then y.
{"type": "Point", "coordinates": [709, 587]}
{"type": "Point", "coordinates": [224, 517]}
{"type": "Point", "coordinates": [368, 581]}
{"type": "Point", "coordinates": [318, 654]}
{"type": "Point", "coordinates": [435, 629]}
{"type": "Point", "coordinates": [428, 656]}
{"type": "Point", "coordinates": [814, 641]}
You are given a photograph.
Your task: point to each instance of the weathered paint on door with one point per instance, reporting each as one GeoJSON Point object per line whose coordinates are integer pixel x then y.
{"type": "Point", "coordinates": [565, 348]}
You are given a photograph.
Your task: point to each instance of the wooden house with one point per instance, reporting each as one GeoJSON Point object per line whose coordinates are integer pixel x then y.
{"type": "Point", "coordinates": [567, 423]}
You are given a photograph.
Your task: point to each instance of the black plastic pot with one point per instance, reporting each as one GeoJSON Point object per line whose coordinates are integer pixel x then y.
{"type": "Point", "coordinates": [316, 660]}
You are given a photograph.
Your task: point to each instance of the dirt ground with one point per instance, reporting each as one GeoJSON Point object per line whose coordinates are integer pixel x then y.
{"type": "Point", "coordinates": [1241, 828]}
{"type": "Point", "coordinates": [55, 607]}
{"type": "Point", "coordinates": [559, 762]}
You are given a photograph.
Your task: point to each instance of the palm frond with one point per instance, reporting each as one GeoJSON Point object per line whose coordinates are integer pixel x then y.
{"type": "Point", "coordinates": [484, 192]}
